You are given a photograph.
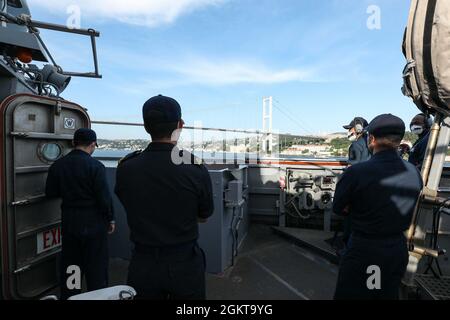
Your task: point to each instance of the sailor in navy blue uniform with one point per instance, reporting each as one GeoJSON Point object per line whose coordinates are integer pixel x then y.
{"type": "Point", "coordinates": [380, 195]}
{"type": "Point", "coordinates": [358, 151]}
{"type": "Point", "coordinates": [166, 193]}
{"type": "Point", "coordinates": [87, 212]}
{"type": "Point", "coordinates": [420, 125]}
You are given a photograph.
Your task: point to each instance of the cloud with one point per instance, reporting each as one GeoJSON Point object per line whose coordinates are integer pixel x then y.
{"type": "Point", "coordinates": [150, 13]}
{"type": "Point", "coordinates": [205, 71]}
{"type": "Point", "coordinates": [211, 72]}
{"type": "Point", "coordinates": [193, 68]}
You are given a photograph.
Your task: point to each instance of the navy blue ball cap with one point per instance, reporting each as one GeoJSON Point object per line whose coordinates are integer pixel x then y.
{"type": "Point", "coordinates": [354, 122]}
{"type": "Point", "coordinates": [385, 125]}
{"type": "Point", "coordinates": [161, 109]}
{"type": "Point", "coordinates": [85, 135]}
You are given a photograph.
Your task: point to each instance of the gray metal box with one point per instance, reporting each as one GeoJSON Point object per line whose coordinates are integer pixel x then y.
{"type": "Point", "coordinates": [233, 195]}
{"type": "Point", "coordinates": [230, 201]}
{"type": "Point", "coordinates": [216, 237]}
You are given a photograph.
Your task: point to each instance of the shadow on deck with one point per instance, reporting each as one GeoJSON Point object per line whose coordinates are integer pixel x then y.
{"type": "Point", "coordinates": [268, 267]}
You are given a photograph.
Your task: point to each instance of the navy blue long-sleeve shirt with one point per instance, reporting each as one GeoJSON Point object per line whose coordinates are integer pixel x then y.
{"type": "Point", "coordinates": [379, 195]}
{"type": "Point", "coordinates": [163, 200]}
{"type": "Point", "coordinates": [417, 153]}
{"type": "Point", "coordinates": [80, 181]}
{"type": "Point", "coordinates": [359, 151]}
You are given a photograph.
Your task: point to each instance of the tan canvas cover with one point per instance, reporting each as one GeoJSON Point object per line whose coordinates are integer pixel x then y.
{"type": "Point", "coordinates": [427, 50]}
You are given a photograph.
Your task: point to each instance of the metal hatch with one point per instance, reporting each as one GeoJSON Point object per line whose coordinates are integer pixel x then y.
{"type": "Point", "coordinates": [35, 131]}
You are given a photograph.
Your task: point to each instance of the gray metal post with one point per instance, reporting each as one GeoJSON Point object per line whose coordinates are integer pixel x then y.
{"type": "Point", "coordinates": [432, 185]}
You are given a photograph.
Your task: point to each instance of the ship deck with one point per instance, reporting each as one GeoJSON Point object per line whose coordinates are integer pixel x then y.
{"type": "Point", "coordinates": [268, 267]}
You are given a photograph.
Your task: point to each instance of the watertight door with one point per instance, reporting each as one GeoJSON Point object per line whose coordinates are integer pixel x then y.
{"type": "Point", "coordinates": [34, 132]}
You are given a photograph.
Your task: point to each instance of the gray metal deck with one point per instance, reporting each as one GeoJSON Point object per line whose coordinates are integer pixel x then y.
{"type": "Point", "coordinates": [316, 241]}
{"type": "Point", "coordinates": [434, 288]}
{"type": "Point", "coordinates": [268, 268]}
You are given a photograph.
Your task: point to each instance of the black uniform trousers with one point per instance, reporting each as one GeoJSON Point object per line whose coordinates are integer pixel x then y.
{"type": "Point", "coordinates": [390, 254]}
{"type": "Point", "coordinates": [347, 229]}
{"type": "Point", "coordinates": [170, 273]}
{"type": "Point", "coordinates": [87, 249]}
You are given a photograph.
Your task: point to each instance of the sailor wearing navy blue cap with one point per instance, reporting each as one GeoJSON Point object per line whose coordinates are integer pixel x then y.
{"type": "Point", "coordinates": [164, 201]}
{"type": "Point", "coordinates": [358, 150]}
{"type": "Point", "coordinates": [420, 125]}
{"type": "Point", "coordinates": [87, 212]}
{"type": "Point", "coordinates": [380, 196]}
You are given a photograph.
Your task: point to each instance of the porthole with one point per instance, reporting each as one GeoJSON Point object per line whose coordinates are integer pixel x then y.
{"type": "Point", "coordinates": [50, 152]}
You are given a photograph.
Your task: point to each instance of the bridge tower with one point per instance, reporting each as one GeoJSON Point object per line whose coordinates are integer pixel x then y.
{"type": "Point", "coordinates": [267, 124]}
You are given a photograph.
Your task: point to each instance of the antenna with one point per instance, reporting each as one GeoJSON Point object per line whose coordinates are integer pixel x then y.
{"type": "Point", "coordinates": [268, 124]}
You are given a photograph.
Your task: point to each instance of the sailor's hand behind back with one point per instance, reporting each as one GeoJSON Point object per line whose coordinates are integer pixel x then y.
{"type": "Point", "coordinates": [201, 220]}
{"type": "Point", "coordinates": [112, 227]}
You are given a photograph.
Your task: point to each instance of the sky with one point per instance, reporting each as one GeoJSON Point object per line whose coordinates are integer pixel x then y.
{"type": "Point", "coordinates": [319, 60]}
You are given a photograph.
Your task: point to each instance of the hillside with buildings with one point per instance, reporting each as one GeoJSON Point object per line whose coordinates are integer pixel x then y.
{"type": "Point", "coordinates": [327, 146]}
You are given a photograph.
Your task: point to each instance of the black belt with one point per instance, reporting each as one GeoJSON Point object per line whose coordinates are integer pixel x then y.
{"type": "Point", "coordinates": [167, 250]}
{"type": "Point", "coordinates": [80, 206]}
{"type": "Point", "coordinates": [368, 236]}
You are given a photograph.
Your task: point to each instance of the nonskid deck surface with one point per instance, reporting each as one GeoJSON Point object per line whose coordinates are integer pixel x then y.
{"type": "Point", "coordinates": [433, 288]}
{"type": "Point", "coordinates": [268, 268]}
{"type": "Point", "coordinates": [319, 242]}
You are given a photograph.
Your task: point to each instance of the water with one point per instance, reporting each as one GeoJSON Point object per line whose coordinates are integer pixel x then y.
{"type": "Point", "coordinates": [116, 154]}
{"type": "Point", "coordinates": [111, 153]}
{"type": "Point", "coordinates": [110, 158]}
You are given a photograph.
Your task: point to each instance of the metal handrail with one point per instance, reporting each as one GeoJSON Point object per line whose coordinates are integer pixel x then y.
{"type": "Point", "coordinates": [134, 124]}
